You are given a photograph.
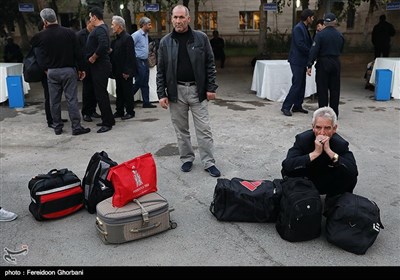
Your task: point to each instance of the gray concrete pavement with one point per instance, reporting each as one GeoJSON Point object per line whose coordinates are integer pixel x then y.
{"type": "Point", "coordinates": [251, 139]}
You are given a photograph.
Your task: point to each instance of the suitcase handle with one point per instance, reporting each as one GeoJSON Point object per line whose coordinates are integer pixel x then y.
{"type": "Point", "coordinates": [145, 228]}
{"type": "Point", "coordinates": [98, 225]}
{"type": "Point", "coordinates": [145, 214]}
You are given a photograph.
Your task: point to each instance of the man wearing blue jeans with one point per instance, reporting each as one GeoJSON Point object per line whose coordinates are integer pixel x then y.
{"type": "Point", "coordinates": [141, 41]}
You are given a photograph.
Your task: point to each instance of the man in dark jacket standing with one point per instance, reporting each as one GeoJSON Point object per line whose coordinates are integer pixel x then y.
{"type": "Point", "coordinates": [59, 56]}
{"type": "Point", "coordinates": [88, 97]}
{"type": "Point", "coordinates": [326, 49]}
{"type": "Point", "coordinates": [381, 37]}
{"type": "Point", "coordinates": [186, 80]}
{"type": "Point", "coordinates": [298, 54]}
{"type": "Point", "coordinates": [123, 62]}
{"type": "Point", "coordinates": [98, 47]}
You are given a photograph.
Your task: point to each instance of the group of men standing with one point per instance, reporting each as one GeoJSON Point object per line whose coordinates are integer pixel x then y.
{"type": "Point", "coordinates": [90, 55]}
{"type": "Point", "coordinates": [325, 48]}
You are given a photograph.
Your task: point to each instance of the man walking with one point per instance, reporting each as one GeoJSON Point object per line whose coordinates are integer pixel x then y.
{"type": "Point", "coordinates": [60, 55]}
{"type": "Point", "coordinates": [326, 49]}
{"type": "Point", "coordinates": [186, 81]}
{"type": "Point", "coordinates": [298, 54]}
{"type": "Point", "coordinates": [141, 41]}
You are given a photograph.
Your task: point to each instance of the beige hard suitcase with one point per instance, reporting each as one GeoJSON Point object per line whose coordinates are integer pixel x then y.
{"type": "Point", "coordinates": [143, 217]}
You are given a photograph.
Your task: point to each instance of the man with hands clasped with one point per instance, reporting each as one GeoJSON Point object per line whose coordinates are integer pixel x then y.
{"type": "Point", "coordinates": [323, 156]}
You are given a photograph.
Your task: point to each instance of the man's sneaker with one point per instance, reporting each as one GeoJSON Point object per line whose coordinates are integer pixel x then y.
{"type": "Point", "coordinates": [187, 166]}
{"type": "Point", "coordinates": [7, 216]}
{"type": "Point", "coordinates": [213, 171]}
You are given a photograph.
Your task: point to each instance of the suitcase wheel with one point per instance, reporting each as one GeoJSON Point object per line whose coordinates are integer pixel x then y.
{"type": "Point", "coordinates": [172, 224]}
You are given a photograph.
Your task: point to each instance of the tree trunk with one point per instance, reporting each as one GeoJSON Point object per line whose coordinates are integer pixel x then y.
{"type": "Point", "coordinates": [367, 23]}
{"type": "Point", "coordinates": [24, 34]}
{"type": "Point", "coordinates": [262, 48]}
{"type": "Point", "coordinates": [196, 13]}
{"type": "Point", "coordinates": [126, 14]}
{"type": "Point", "coordinates": [158, 16]}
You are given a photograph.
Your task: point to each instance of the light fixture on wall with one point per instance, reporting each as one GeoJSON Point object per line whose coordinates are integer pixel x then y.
{"type": "Point", "coordinates": [298, 3]}
{"type": "Point", "coordinates": [121, 6]}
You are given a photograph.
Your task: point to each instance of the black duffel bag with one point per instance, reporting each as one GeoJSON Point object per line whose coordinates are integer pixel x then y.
{"type": "Point", "coordinates": [353, 223]}
{"type": "Point", "coordinates": [246, 200]}
{"type": "Point", "coordinates": [56, 194]}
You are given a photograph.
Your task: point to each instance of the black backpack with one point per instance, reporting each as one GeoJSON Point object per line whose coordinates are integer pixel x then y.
{"type": "Point", "coordinates": [95, 184]}
{"type": "Point", "coordinates": [353, 223]}
{"type": "Point", "coordinates": [246, 200]}
{"type": "Point", "coordinates": [300, 210]}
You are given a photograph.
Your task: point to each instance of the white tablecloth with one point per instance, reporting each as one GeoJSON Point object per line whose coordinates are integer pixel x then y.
{"type": "Point", "coordinates": [272, 79]}
{"type": "Point", "coordinates": [10, 69]}
{"type": "Point", "coordinates": [393, 64]}
{"type": "Point", "coordinates": [138, 96]}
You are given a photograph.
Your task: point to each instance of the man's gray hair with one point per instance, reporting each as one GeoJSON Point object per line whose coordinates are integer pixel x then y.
{"type": "Point", "coordinates": [187, 12]}
{"type": "Point", "coordinates": [119, 20]}
{"type": "Point", "coordinates": [143, 21]}
{"type": "Point", "coordinates": [48, 15]}
{"type": "Point", "coordinates": [326, 113]}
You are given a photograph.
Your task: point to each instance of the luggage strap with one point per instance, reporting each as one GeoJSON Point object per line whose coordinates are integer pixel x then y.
{"type": "Point", "coordinates": [145, 214]}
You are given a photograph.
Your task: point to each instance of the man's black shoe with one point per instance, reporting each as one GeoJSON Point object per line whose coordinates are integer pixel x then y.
{"type": "Point", "coordinates": [213, 171]}
{"type": "Point", "coordinates": [104, 129]}
{"type": "Point", "coordinates": [95, 115]}
{"type": "Point", "coordinates": [127, 117]}
{"type": "Point", "coordinates": [118, 115]}
{"type": "Point", "coordinates": [58, 131]}
{"type": "Point", "coordinates": [187, 166]}
{"type": "Point", "coordinates": [300, 110]}
{"type": "Point", "coordinates": [286, 112]}
{"type": "Point", "coordinates": [80, 131]}
{"type": "Point", "coordinates": [149, 106]}
{"type": "Point", "coordinates": [87, 118]}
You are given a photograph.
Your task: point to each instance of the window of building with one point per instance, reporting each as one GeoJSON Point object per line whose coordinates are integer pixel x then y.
{"type": "Point", "coordinates": [249, 20]}
{"type": "Point", "coordinates": [207, 21]}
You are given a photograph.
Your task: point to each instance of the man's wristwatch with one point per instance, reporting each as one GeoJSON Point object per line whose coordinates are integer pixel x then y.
{"type": "Point", "coordinates": [335, 157]}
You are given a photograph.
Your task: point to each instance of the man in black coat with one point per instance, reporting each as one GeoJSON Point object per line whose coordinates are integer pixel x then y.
{"type": "Point", "coordinates": [60, 57]}
{"type": "Point", "coordinates": [323, 156]}
{"type": "Point", "coordinates": [381, 37]}
{"type": "Point", "coordinates": [88, 97]}
{"type": "Point", "coordinates": [123, 62]}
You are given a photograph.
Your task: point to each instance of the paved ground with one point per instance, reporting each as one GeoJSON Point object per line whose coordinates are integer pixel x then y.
{"type": "Point", "coordinates": [251, 139]}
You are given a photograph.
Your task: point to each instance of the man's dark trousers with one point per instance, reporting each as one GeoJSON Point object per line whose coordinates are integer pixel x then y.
{"type": "Point", "coordinates": [295, 96]}
{"type": "Point", "coordinates": [328, 78]}
{"type": "Point", "coordinates": [88, 97]}
{"type": "Point", "coordinates": [142, 80]}
{"type": "Point", "coordinates": [124, 95]}
{"type": "Point", "coordinates": [100, 72]}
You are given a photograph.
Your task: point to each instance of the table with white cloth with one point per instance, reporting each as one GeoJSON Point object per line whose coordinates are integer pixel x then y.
{"type": "Point", "coordinates": [393, 64]}
{"type": "Point", "coordinates": [272, 80]}
{"type": "Point", "coordinates": [138, 96]}
{"type": "Point", "coordinates": [10, 69]}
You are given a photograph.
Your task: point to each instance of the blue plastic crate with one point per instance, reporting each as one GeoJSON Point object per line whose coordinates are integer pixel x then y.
{"type": "Point", "coordinates": [15, 92]}
{"type": "Point", "coordinates": [383, 84]}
